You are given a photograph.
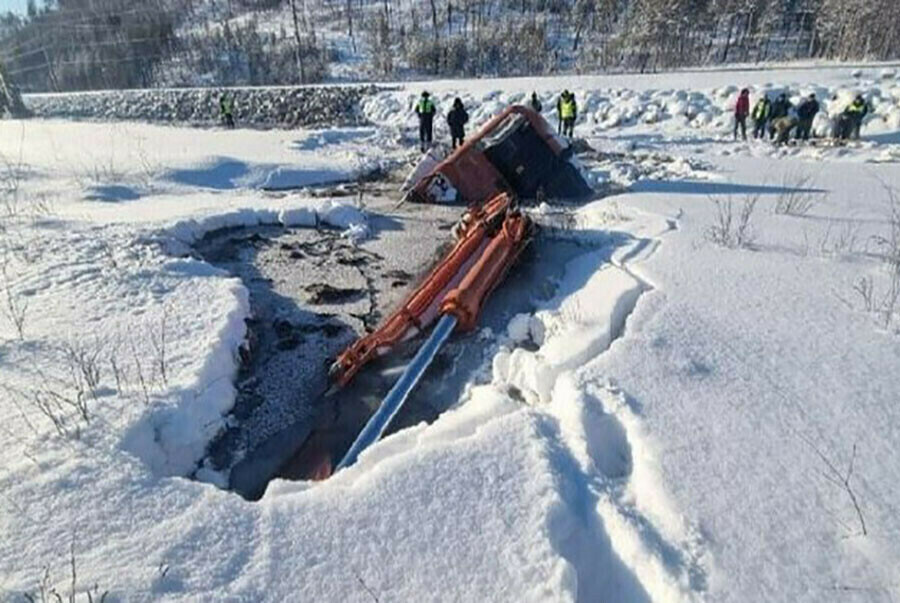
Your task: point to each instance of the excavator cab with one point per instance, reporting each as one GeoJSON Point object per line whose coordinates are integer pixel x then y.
{"type": "Point", "coordinates": [516, 152]}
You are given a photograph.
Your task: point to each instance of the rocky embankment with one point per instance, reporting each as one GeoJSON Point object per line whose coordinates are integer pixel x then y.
{"type": "Point", "coordinates": [262, 107]}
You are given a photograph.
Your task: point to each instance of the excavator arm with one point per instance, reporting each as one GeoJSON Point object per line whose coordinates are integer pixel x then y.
{"type": "Point", "coordinates": [489, 239]}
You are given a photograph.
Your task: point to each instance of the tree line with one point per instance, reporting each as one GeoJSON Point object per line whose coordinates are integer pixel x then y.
{"type": "Point", "coordinates": [95, 44]}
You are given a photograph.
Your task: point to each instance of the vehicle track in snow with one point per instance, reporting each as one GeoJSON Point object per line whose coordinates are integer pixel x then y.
{"type": "Point", "coordinates": [625, 540]}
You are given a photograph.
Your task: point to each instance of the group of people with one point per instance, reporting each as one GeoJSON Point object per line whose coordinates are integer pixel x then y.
{"type": "Point", "coordinates": [780, 118]}
{"type": "Point", "coordinates": [458, 117]}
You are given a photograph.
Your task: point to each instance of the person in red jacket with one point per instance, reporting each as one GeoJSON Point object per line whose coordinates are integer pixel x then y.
{"type": "Point", "coordinates": [741, 111]}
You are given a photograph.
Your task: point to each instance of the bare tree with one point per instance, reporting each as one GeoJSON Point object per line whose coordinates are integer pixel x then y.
{"type": "Point", "coordinates": [298, 41]}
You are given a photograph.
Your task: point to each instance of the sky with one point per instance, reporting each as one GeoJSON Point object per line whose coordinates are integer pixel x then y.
{"type": "Point", "coordinates": [17, 6]}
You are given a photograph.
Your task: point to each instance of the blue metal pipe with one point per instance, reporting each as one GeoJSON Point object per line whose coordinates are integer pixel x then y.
{"type": "Point", "coordinates": [392, 403]}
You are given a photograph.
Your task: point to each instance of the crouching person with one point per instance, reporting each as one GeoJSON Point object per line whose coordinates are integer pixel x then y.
{"type": "Point", "coordinates": [782, 128]}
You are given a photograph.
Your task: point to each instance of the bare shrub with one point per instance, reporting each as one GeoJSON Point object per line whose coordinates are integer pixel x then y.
{"type": "Point", "coordinates": [887, 304]}
{"type": "Point", "coordinates": [46, 592]}
{"type": "Point", "coordinates": [158, 338]}
{"type": "Point", "coordinates": [119, 371]}
{"type": "Point", "coordinates": [732, 226]}
{"type": "Point", "coordinates": [14, 305]}
{"type": "Point", "coordinates": [722, 230]}
{"type": "Point", "coordinates": [143, 381]}
{"type": "Point", "coordinates": [11, 175]}
{"type": "Point", "coordinates": [840, 237]}
{"type": "Point", "coordinates": [83, 363]}
{"type": "Point", "coordinates": [841, 480]}
{"type": "Point", "coordinates": [865, 287]}
{"type": "Point", "coordinates": [102, 172]}
{"type": "Point", "coordinates": [796, 199]}
{"type": "Point", "coordinates": [56, 406]}
{"type": "Point", "coordinates": [41, 205]}
{"type": "Point", "coordinates": [135, 373]}
{"type": "Point", "coordinates": [66, 402]}
{"type": "Point", "coordinates": [890, 300]}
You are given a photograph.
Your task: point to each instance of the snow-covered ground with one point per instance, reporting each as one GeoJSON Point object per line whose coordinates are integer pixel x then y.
{"type": "Point", "coordinates": [696, 413]}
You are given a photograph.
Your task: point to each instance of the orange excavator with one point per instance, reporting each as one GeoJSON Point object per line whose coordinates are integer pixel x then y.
{"type": "Point", "coordinates": [515, 155]}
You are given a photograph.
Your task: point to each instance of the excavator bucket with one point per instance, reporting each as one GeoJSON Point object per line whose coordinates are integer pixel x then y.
{"type": "Point", "coordinates": [516, 152]}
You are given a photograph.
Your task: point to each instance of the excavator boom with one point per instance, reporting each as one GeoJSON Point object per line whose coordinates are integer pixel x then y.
{"type": "Point", "coordinates": [488, 248]}
{"type": "Point", "coordinates": [477, 231]}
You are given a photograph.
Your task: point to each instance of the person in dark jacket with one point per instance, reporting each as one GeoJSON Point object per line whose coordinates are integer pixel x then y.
{"type": "Point", "coordinates": [761, 112]}
{"type": "Point", "coordinates": [535, 103]}
{"type": "Point", "coordinates": [741, 111]}
{"type": "Point", "coordinates": [457, 119]}
{"type": "Point", "coordinates": [425, 110]}
{"type": "Point", "coordinates": [806, 112]}
{"type": "Point", "coordinates": [780, 108]}
{"type": "Point", "coordinates": [855, 112]}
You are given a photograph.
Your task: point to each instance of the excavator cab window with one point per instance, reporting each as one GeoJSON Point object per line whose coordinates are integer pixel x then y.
{"type": "Point", "coordinates": [527, 162]}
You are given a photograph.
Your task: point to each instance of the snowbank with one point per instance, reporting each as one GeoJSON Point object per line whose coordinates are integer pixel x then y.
{"type": "Point", "coordinates": [690, 109]}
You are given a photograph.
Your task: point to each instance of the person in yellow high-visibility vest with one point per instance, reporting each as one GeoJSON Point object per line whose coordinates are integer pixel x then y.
{"type": "Point", "coordinates": [425, 110]}
{"type": "Point", "coordinates": [226, 108]}
{"type": "Point", "coordinates": [568, 112]}
{"type": "Point", "coordinates": [855, 112]}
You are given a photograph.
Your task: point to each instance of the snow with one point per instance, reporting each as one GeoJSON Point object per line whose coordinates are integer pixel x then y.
{"type": "Point", "coordinates": [682, 104]}
{"type": "Point", "coordinates": [662, 427]}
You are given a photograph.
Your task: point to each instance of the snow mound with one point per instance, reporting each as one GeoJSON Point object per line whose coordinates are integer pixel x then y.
{"type": "Point", "coordinates": [575, 328]}
{"type": "Point", "coordinates": [299, 212]}
{"type": "Point", "coordinates": [687, 110]}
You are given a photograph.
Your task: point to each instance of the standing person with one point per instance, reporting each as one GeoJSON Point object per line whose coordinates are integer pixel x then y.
{"type": "Point", "coordinates": [806, 112]}
{"type": "Point", "coordinates": [761, 111]}
{"type": "Point", "coordinates": [559, 105]}
{"type": "Point", "coordinates": [741, 111]}
{"type": "Point", "coordinates": [226, 109]}
{"type": "Point", "coordinates": [535, 103]}
{"type": "Point", "coordinates": [425, 110]}
{"type": "Point", "coordinates": [457, 119]}
{"type": "Point", "coordinates": [855, 112]}
{"type": "Point", "coordinates": [568, 111]}
{"type": "Point", "coordinates": [780, 108]}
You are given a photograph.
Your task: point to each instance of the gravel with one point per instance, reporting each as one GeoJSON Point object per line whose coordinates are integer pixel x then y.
{"type": "Point", "coordinates": [286, 107]}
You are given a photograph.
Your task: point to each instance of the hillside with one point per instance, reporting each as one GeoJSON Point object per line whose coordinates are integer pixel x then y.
{"type": "Point", "coordinates": [101, 44]}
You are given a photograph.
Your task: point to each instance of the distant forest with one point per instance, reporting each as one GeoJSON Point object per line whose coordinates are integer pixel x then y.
{"type": "Point", "coordinates": [67, 45]}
